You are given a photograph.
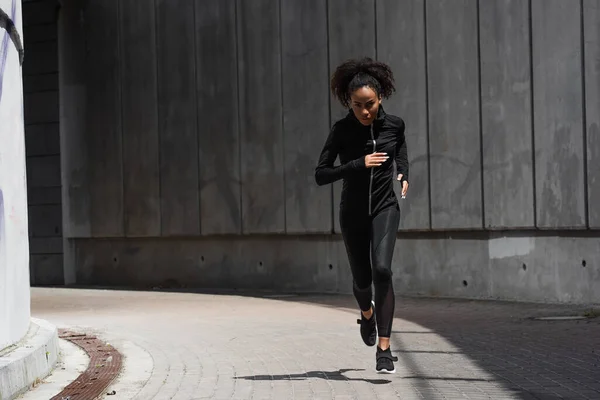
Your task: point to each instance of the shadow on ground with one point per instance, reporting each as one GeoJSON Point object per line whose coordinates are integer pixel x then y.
{"type": "Point", "coordinates": [327, 375]}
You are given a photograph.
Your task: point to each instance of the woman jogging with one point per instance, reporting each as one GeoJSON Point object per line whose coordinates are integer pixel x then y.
{"type": "Point", "coordinates": [367, 141]}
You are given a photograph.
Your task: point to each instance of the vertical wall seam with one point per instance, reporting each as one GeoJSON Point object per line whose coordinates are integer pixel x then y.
{"type": "Point", "coordinates": [158, 118]}
{"type": "Point", "coordinates": [532, 113]}
{"type": "Point", "coordinates": [198, 161]}
{"type": "Point", "coordinates": [480, 119]}
{"type": "Point", "coordinates": [375, 28]}
{"type": "Point", "coordinates": [331, 187]}
{"type": "Point", "coordinates": [584, 119]}
{"type": "Point", "coordinates": [282, 131]}
{"type": "Point", "coordinates": [239, 130]}
{"type": "Point", "coordinates": [120, 114]}
{"type": "Point", "coordinates": [426, 57]}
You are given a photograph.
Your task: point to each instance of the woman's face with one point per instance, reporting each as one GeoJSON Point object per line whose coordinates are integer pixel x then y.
{"type": "Point", "coordinates": [365, 104]}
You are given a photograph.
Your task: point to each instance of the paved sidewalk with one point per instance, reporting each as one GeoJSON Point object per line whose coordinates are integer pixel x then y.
{"type": "Point", "coordinates": [209, 346]}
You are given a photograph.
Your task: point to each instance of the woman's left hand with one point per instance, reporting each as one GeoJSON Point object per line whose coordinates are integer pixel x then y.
{"type": "Point", "coordinates": [404, 185]}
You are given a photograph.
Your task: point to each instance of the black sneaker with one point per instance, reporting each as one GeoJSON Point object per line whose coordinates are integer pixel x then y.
{"type": "Point", "coordinates": [368, 328]}
{"type": "Point", "coordinates": [385, 361]}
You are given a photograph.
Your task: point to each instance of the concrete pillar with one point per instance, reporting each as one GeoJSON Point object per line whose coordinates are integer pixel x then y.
{"type": "Point", "coordinates": [73, 144]}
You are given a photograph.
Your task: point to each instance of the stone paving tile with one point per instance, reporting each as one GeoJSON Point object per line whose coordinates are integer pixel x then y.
{"type": "Point", "coordinates": [209, 346]}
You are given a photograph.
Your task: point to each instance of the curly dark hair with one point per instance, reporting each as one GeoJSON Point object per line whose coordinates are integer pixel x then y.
{"type": "Point", "coordinates": [354, 74]}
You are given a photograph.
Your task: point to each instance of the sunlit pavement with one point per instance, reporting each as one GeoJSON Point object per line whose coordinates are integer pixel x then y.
{"type": "Point", "coordinates": [244, 346]}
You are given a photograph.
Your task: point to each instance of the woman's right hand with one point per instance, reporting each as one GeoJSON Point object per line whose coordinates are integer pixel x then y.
{"type": "Point", "coordinates": [375, 159]}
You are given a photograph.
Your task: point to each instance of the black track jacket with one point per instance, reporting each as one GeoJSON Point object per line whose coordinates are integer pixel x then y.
{"type": "Point", "coordinates": [365, 190]}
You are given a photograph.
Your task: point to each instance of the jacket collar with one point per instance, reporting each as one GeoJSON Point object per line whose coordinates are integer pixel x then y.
{"type": "Point", "coordinates": [377, 121]}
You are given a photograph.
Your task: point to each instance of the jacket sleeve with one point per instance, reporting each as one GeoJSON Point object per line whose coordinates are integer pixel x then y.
{"type": "Point", "coordinates": [325, 172]}
{"type": "Point", "coordinates": [401, 153]}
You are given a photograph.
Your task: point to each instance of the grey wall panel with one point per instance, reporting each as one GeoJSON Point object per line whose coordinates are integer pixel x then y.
{"type": "Point", "coordinates": [454, 134]}
{"type": "Point", "coordinates": [44, 195]}
{"type": "Point", "coordinates": [401, 44]}
{"type": "Point", "coordinates": [428, 266]}
{"type": "Point", "coordinates": [591, 14]}
{"type": "Point", "coordinates": [43, 171]}
{"type": "Point", "coordinates": [41, 107]}
{"type": "Point", "coordinates": [141, 196]}
{"type": "Point", "coordinates": [544, 267]}
{"type": "Point", "coordinates": [40, 83]}
{"type": "Point", "coordinates": [263, 197]}
{"type": "Point", "coordinates": [180, 211]}
{"type": "Point", "coordinates": [47, 269]}
{"type": "Point", "coordinates": [352, 34]}
{"type": "Point", "coordinates": [558, 113]}
{"type": "Point", "coordinates": [43, 139]}
{"type": "Point", "coordinates": [46, 245]}
{"type": "Point", "coordinates": [43, 33]}
{"type": "Point", "coordinates": [218, 134]}
{"type": "Point", "coordinates": [305, 113]}
{"type": "Point", "coordinates": [45, 220]}
{"type": "Point", "coordinates": [239, 262]}
{"type": "Point", "coordinates": [506, 114]}
{"type": "Point", "coordinates": [103, 123]}
{"type": "Point", "coordinates": [40, 12]}
{"type": "Point", "coordinates": [42, 58]}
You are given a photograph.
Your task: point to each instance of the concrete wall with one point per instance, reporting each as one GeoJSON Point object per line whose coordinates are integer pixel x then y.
{"type": "Point", "coordinates": [536, 266]}
{"type": "Point", "coordinates": [14, 252]}
{"type": "Point", "coordinates": [40, 81]}
{"type": "Point", "coordinates": [194, 126]}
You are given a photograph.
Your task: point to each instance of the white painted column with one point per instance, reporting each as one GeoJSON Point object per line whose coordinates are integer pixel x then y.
{"type": "Point", "coordinates": [14, 241]}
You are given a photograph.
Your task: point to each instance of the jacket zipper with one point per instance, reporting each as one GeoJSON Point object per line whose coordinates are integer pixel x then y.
{"type": "Point", "coordinates": [372, 170]}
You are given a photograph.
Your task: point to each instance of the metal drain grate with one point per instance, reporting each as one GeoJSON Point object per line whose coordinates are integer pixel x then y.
{"type": "Point", "coordinates": [105, 365]}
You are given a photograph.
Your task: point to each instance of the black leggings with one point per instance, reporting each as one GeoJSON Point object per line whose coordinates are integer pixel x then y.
{"type": "Point", "coordinates": [370, 242]}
